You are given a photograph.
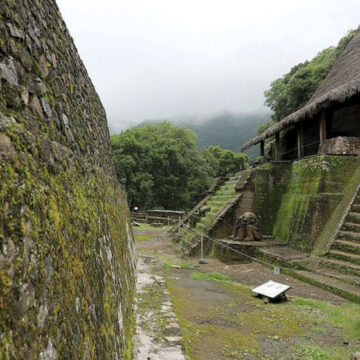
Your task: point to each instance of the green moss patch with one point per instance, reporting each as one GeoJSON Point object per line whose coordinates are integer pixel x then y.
{"type": "Point", "coordinates": [271, 181]}
{"type": "Point", "coordinates": [345, 317]}
{"type": "Point", "coordinates": [315, 189]}
{"type": "Point", "coordinates": [220, 319]}
{"type": "Point", "coordinates": [209, 276]}
{"type": "Point", "coordinates": [151, 227]}
{"type": "Point", "coordinates": [68, 232]}
{"type": "Point", "coordinates": [142, 237]}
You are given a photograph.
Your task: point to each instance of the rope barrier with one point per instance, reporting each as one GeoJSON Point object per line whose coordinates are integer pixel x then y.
{"type": "Point", "coordinates": [188, 229]}
{"type": "Point", "coordinates": [232, 249]}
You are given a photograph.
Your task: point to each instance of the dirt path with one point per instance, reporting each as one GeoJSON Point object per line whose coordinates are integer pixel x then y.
{"type": "Point", "coordinates": [220, 320]}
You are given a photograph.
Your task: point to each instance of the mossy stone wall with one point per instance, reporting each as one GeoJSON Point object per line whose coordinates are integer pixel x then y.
{"type": "Point", "coordinates": [66, 246]}
{"type": "Point", "coordinates": [271, 183]}
{"type": "Point", "coordinates": [315, 189]}
{"type": "Point", "coordinates": [261, 195]}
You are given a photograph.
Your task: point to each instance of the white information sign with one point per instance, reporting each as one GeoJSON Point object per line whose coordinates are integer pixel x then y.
{"type": "Point", "coordinates": [271, 289]}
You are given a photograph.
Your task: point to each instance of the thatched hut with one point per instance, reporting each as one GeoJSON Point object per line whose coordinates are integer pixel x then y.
{"type": "Point", "coordinates": [330, 122]}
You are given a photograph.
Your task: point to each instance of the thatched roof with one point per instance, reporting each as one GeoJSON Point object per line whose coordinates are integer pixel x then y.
{"type": "Point", "coordinates": [341, 84]}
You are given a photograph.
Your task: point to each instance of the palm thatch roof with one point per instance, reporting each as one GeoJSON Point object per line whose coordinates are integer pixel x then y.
{"type": "Point", "coordinates": [341, 84]}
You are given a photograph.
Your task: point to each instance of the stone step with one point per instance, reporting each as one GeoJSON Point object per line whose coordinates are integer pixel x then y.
{"type": "Point", "coordinates": [352, 247]}
{"type": "Point", "coordinates": [348, 278]}
{"type": "Point", "coordinates": [357, 200]}
{"type": "Point", "coordinates": [212, 212]}
{"type": "Point", "coordinates": [217, 202]}
{"type": "Point", "coordinates": [344, 256]}
{"type": "Point", "coordinates": [226, 187]}
{"type": "Point", "coordinates": [353, 217]}
{"type": "Point", "coordinates": [348, 235]}
{"type": "Point", "coordinates": [349, 226]}
{"type": "Point", "coordinates": [208, 217]}
{"type": "Point", "coordinates": [355, 208]}
{"type": "Point", "coordinates": [343, 267]}
{"type": "Point", "coordinates": [187, 239]}
{"type": "Point", "coordinates": [220, 198]}
{"type": "Point", "coordinates": [336, 286]}
{"type": "Point", "coordinates": [204, 220]}
{"type": "Point", "coordinates": [214, 204]}
{"type": "Point", "coordinates": [223, 192]}
{"type": "Point", "coordinates": [200, 225]}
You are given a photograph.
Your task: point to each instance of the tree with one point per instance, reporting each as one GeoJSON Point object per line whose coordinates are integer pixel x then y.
{"type": "Point", "coordinates": [162, 166]}
{"type": "Point", "coordinates": [225, 161]}
{"type": "Point", "coordinates": [293, 90]}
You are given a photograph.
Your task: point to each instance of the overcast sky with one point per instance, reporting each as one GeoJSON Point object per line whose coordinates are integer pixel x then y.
{"type": "Point", "coordinates": [166, 58]}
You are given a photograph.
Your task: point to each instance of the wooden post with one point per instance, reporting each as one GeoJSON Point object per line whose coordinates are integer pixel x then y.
{"type": "Point", "coordinates": [300, 141]}
{"type": "Point", "coordinates": [277, 146]}
{"type": "Point", "coordinates": [262, 148]}
{"type": "Point", "coordinates": [322, 126]}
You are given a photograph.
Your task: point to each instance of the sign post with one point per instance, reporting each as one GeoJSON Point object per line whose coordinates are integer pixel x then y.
{"type": "Point", "coordinates": [202, 261]}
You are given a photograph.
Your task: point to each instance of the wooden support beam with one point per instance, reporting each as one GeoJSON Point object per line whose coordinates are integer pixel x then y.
{"type": "Point", "coordinates": [322, 126]}
{"type": "Point", "coordinates": [262, 148]}
{"type": "Point", "coordinates": [277, 147]}
{"type": "Point", "coordinates": [300, 141]}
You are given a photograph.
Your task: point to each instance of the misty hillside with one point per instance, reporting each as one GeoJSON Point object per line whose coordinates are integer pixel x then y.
{"type": "Point", "coordinates": [228, 130]}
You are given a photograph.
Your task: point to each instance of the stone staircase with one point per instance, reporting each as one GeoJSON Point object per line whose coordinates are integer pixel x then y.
{"type": "Point", "coordinates": [346, 247]}
{"type": "Point", "coordinates": [224, 198]}
{"type": "Point", "coordinates": [339, 269]}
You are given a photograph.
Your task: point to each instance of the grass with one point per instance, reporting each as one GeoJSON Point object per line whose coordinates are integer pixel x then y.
{"type": "Point", "coordinates": [223, 331]}
{"type": "Point", "coordinates": [144, 226]}
{"type": "Point", "coordinates": [183, 265]}
{"type": "Point", "coordinates": [209, 276]}
{"type": "Point", "coordinates": [186, 265]}
{"type": "Point", "coordinates": [235, 325]}
{"type": "Point", "coordinates": [312, 352]}
{"type": "Point", "coordinates": [345, 317]}
{"type": "Point", "coordinates": [142, 237]}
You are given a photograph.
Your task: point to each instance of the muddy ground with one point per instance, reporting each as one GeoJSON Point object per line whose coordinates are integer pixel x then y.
{"type": "Point", "coordinates": [220, 319]}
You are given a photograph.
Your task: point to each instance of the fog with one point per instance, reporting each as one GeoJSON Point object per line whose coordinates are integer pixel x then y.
{"type": "Point", "coordinates": [164, 59]}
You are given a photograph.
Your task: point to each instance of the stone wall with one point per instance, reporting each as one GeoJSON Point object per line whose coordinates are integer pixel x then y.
{"type": "Point", "coordinates": [316, 187]}
{"type": "Point", "coordinates": [66, 246]}
{"type": "Point", "coordinates": [261, 195]}
{"type": "Point", "coordinates": [341, 145]}
{"type": "Point", "coordinates": [271, 184]}
{"type": "Point", "coordinates": [293, 201]}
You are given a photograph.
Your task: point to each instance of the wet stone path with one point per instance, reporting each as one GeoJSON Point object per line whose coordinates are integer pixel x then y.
{"type": "Point", "coordinates": [158, 335]}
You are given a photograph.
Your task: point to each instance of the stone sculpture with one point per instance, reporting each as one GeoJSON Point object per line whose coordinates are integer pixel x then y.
{"type": "Point", "coordinates": [246, 228]}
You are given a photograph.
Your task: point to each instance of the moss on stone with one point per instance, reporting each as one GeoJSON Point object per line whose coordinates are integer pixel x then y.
{"type": "Point", "coordinates": [315, 188]}
{"type": "Point", "coordinates": [66, 245]}
{"type": "Point", "coordinates": [271, 182]}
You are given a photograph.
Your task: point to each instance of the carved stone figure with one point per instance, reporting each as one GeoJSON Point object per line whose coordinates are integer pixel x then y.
{"type": "Point", "coordinates": [246, 228]}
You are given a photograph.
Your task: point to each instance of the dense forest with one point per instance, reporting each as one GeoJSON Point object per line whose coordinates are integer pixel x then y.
{"type": "Point", "coordinates": [162, 166]}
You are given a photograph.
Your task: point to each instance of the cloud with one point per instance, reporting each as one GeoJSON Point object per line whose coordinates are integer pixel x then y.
{"type": "Point", "coordinates": [161, 58]}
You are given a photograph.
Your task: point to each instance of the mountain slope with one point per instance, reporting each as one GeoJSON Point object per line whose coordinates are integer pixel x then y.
{"type": "Point", "coordinates": [227, 130]}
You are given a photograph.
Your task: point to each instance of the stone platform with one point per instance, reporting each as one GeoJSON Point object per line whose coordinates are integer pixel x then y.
{"type": "Point", "coordinates": [221, 249]}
